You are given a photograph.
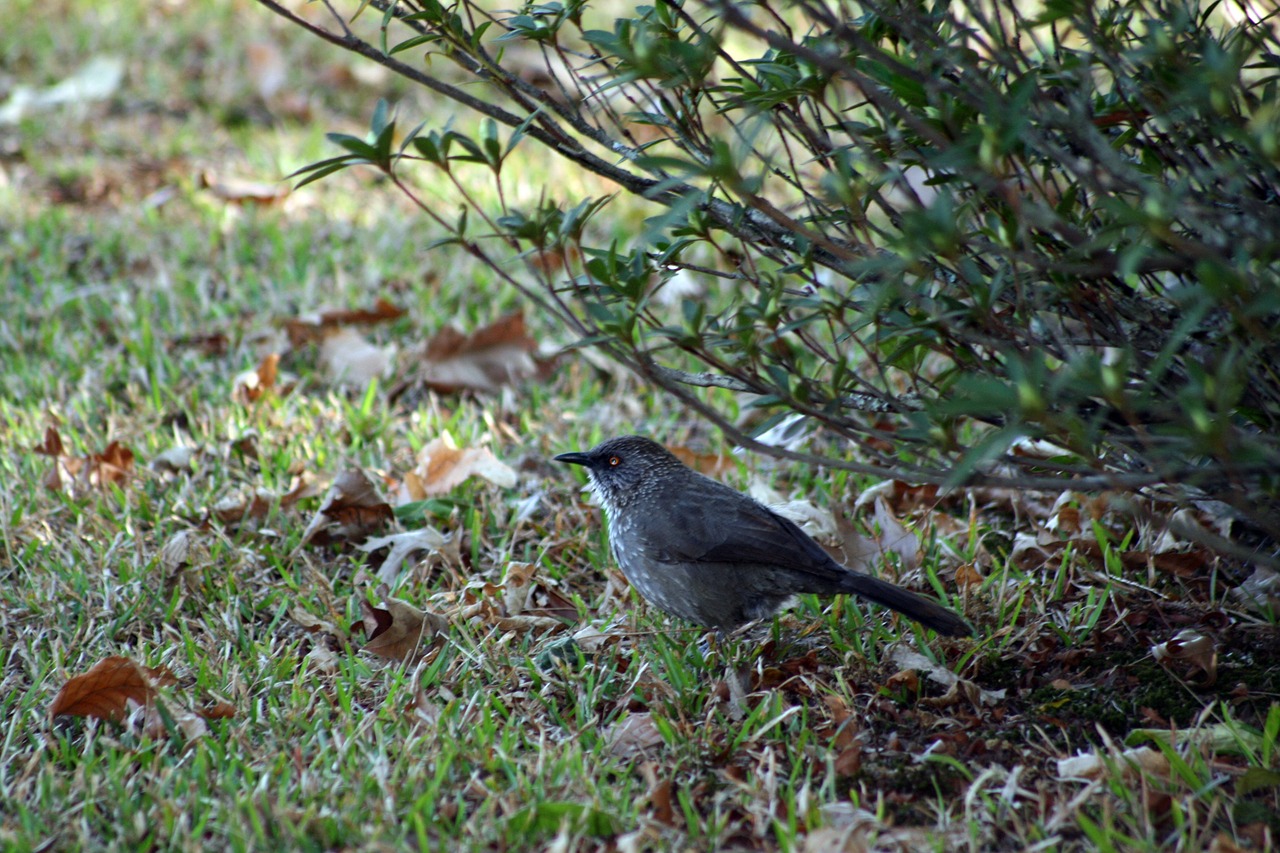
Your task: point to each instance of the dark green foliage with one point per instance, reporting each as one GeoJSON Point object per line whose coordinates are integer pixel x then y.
{"type": "Point", "coordinates": [933, 229]}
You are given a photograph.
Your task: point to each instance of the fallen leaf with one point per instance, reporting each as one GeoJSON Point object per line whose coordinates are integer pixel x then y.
{"type": "Point", "coordinates": [352, 507]}
{"type": "Point", "coordinates": [711, 464]}
{"type": "Point", "coordinates": [267, 67]}
{"type": "Point", "coordinates": [897, 538]}
{"type": "Point", "coordinates": [175, 460]}
{"type": "Point", "coordinates": [347, 358]}
{"type": "Point", "coordinates": [181, 550]}
{"type": "Point", "coordinates": [958, 688]}
{"type": "Point", "coordinates": [52, 444]}
{"type": "Point", "coordinates": [968, 576]}
{"type": "Point", "coordinates": [241, 191]}
{"type": "Point", "coordinates": [314, 327]}
{"type": "Point", "coordinates": [442, 466]}
{"type": "Point", "coordinates": [217, 711]}
{"type": "Point", "coordinates": [402, 545]}
{"type": "Point", "coordinates": [1195, 648]}
{"type": "Point", "coordinates": [1130, 764]}
{"type": "Point", "coordinates": [633, 735]}
{"type": "Point", "coordinates": [517, 587]}
{"type": "Point", "coordinates": [96, 80]}
{"type": "Point", "coordinates": [496, 355]}
{"type": "Point", "coordinates": [251, 385]}
{"type": "Point", "coordinates": [397, 631]}
{"type": "Point", "coordinates": [105, 691]}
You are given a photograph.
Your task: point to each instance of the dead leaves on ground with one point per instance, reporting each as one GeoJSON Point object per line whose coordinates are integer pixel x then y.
{"type": "Point", "coordinates": [499, 354]}
{"type": "Point", "coordinates": [398, 630]}
{"type": "Point", "coordinates": [443, 466]}
{"type": "Point", "coordinates": [117, 689]}
{"type": "Point", "coordinates": [114, 465]}
{"type": "Point", "coordinates": [352, 508]}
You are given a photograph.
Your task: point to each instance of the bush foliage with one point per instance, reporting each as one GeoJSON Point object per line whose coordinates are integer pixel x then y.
{"type": "Point", "coordinates": [1022, 244]}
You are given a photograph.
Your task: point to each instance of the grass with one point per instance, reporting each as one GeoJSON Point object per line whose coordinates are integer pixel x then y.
{"type": "Point", "coordinates": [801, 735]}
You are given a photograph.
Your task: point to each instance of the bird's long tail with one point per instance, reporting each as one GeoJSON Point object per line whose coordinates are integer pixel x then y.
{"type": "Point", "coordinates": [926, 612]}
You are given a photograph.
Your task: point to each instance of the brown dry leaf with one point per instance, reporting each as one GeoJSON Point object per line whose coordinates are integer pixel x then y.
{"type": "Point", "coordinates": [525, 623]}
{"type": "Point", "coordinates": [399, 630]}
{"type": "Point", "coordinates": [182, 550]}
{"type": "Point", "coordinates": [314, 327]}
{"type": "Point", "coordinates": [113, 465]}
{"type": "Point", "coordinates": [313, 624]}
{"type": "Point", "coordinates": [1195, 648]}
{"type": "Point", "coordinates": [896, 538]}
{"type": "Point", "coordinates": [347, 358]}
{"type": "Point", "coordinates": [217, 711]}
{"type": "Point", "coordinates": [234, 509]}
{"type": "Point", "coordinates": [498, 354]}
{"type": "Point", "coordinates": [267, 67]}
{"type": "Point", "coordinates": [52, 444]}
{"type": "Point", "coordinates": [105, 691]}
{"type": "Point", "coordinates": [403, 544]}
{"type": "Point", "coordinates": [517, 587]}
{"type": "Point", "coordinates": [633, 736]}
{"type": "Point", "coordinates": [241, 191]}
{"type": "Point", "coordinates": [1131, 764]}
{"type": "Point", "coordinates": [863, 553]}
{"type": "Point", "coordinates": [442, 466]}
{"type": "Point", "coordinates": [175, 460]}
{"type": "Point", "coordinates": [967, 575]}
{"type": "Point", "coordinates": [351, 508]}
{"type": "Point", "coordinates": [251, 385]}
{"type": "Point", "coordinates": [208, 343]}
{"type": "Point", "coordinates": [157, 724]}
{"type": "Point", "coordinates": [711, 464]}
{"type": "Point", "coordinates": [660, 801]}
{"type": "Point", "coordinates": [905, 680]}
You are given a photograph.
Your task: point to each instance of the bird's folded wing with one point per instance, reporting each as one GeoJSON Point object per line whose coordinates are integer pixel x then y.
{"type": "Point", "coordinates": [742, 533]}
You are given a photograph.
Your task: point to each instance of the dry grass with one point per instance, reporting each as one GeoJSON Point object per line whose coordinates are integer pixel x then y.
{"type": "Point", "coordinates": [561, 717]}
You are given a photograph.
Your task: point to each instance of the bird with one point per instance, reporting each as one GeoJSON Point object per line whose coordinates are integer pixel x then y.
{"type": "Point", "coordinates": [699, 550]}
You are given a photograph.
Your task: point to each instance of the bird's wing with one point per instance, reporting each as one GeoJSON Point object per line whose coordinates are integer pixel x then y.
{"type": "Point", "coordinates": [741, 532]}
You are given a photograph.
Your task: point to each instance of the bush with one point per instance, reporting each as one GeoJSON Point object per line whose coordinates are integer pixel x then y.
{"type": "Point", "coordinates": [984, 246]}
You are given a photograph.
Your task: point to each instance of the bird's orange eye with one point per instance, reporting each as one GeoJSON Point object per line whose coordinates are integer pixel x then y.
{"type": "Point", "coordinates": [614, 461]}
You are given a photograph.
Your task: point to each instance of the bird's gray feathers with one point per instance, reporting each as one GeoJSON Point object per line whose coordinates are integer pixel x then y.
{"type": "Point", "coordinates": [737, 529]}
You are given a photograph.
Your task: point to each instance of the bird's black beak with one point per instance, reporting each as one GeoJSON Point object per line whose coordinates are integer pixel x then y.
{"type": "Point", "coordinates": [574, 458]}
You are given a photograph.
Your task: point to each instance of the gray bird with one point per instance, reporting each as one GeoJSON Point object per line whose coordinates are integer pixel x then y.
{"type": "Point", "coordinates": [697, 549]}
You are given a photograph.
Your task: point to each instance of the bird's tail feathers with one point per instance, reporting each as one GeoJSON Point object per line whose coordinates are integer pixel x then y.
{"type": "Point", "coordinates": [926, 612]}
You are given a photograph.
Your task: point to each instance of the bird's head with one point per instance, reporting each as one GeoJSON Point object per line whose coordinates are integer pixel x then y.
{"type": "Point", "coordinates": [623, 468]}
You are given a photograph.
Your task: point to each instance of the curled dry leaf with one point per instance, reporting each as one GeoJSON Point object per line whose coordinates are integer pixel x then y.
{"type": "Point", "coordinates": [315, 327]}
{"type": "Point", "coordinates": [241, 191]}
{"type": "Point", "coordinates": [711, 464]}
{"type": "Point", "coordinates": [113, 466]}
{"type": "Point", "coordinates": [105, 691]}
{"type": "Point", "coordinates": [496, 355]}
{"type": "Point", "coordinates": [633, 735]}
{"type": "Point", "coordinates": [351, 508]}
{"type": "Point", "coordinates": [252, 385]}
{"type": "Point", "coordinates": [181, 550]}
{"type": "Point", "coordinates": [52, 444]}
{"type": "Point", "coordinates": [402, 545]}
{"type": "Point", "coordinates": [217, 711]}
{"type": "Point", "coordinates": [347, 358]}
{"type": "Point", "coordinates": [1261, 590]}
{"type": "Point", "coordinates": [1130, 764]}
{"type": "Point", "coordinates": [175, 460]}
{"type": "Point", "coordinates": [442, 466]}
{"type": "Point", "coordinates": [517, 587]}
{"type": "Point", "coordinates": [957, 688]}
{"type": "Point", "coordinates": [397, 631]}
{"type": "Point", "coordinates": [1195, 648]}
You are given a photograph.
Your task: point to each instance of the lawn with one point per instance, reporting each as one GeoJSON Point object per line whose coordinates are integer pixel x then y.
{"type": "Point", "coordinates": [218, 393]}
